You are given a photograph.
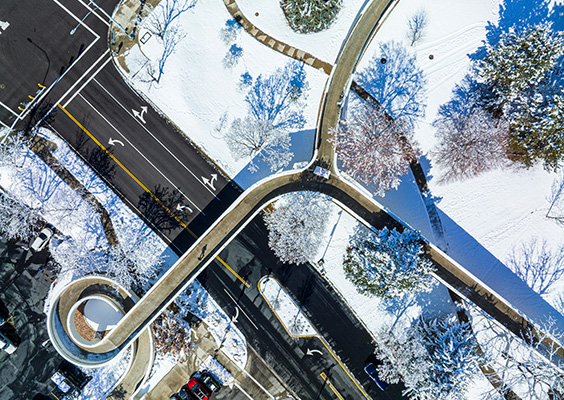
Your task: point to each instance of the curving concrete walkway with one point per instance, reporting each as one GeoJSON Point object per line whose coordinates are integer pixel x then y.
{"type": "Point", "coordinates": [464, 284]}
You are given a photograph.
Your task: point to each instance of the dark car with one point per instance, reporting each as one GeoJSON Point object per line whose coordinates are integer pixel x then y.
{"type": "Point", "coordinates": [372, 372]}
{"type": "Point", "coordinates": [182, 395]}
{"type": "Point", "coordinates": [210, 381]}
{"type": "Point", "coordinates": [197, 390]}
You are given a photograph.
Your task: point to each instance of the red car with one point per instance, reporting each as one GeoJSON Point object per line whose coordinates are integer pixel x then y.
{"type": "Point", "coordinates": [197, 390]}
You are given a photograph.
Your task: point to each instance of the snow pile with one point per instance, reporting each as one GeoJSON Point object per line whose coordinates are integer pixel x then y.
{"type": "Point", "coordinates": [285, 308]}
{"type": "Point", "coordinates": [212, 365]}
{"type": "Point", "coordinates": [197, 301]}
{"type": "Point", "coordinates": [203, 96]}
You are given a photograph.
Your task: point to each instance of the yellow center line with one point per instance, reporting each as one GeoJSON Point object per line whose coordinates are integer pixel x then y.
{"type": "Point", "coordinates": [344, 369]}
{"type": "Point", "coordinates": [324, 377]}
{"type": "Point", "coordinates": [143, 186]}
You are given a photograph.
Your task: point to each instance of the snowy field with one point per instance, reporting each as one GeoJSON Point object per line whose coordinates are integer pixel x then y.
{"type": "Point", "coordinates": [487, 217]}
{"type": "Point", "coordinates": [324, 45]}
{"type": "Point", "coordinates": [203, 97]}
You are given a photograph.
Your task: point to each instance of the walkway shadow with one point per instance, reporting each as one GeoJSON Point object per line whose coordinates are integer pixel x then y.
{"type": "Point", "coordinates": [468, 252]}
{"type": "Point", "coordinates": [302, 147]}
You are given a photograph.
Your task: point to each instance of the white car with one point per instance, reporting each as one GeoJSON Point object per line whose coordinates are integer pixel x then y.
{"type": "Point", "coordinates": [41, 240]}
{"type": "Point", "coordinates": [6, 344]}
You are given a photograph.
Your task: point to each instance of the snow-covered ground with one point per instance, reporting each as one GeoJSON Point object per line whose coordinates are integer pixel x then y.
{"type": "Point", "coordinates": [324, 45]}
{"type": "Point", "coordinates": [197, 92]}
{"type": "Point", "coordinates": [82, 225]}
{"type": "Point", "coordinates": [286, 309]}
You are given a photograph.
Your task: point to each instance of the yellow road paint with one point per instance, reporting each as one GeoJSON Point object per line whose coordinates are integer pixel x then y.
{"type": "Point", "coordinates": [30, 96]}
{"type": "Point", "coordinates": [344, 369]}
{"type": "Point", "coordinates": [324, 377]}
{"type": "Point", "coordinates": [322, 341]}
{"type": "Point", "coordinates": [143, 186]}
{"type": "Point", "coordinates": [233, 272]}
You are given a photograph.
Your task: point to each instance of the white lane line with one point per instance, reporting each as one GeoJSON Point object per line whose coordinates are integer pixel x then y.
{"type": "Point", "coordinates": [243, 311]}
{"type": "Point", "coordinates": [76, 18]}
{"type": "Point", "coordinates": [137, 150]}
{"type": "Point", "coordinates": [157, 140]}
{"type": "Point", "coordinates": [8, 108]}
{"type": "Point", "coordinates": [4, 124]}
{"type": "Point", "coordinates": [104, 54]}
{"type": "Point", "coordinates": [115, 190]}
{"type": "Point", "coordinates": [45, 92]}
{"type": "Point", "coordinates": [105, 21]}
{"type": "Point", "coordinates": [89, 78]}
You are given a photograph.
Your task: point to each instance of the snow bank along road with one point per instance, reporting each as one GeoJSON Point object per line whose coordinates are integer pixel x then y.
{"type": "Point", "coordinates": [253, 200]}
{"type": "Point", "coordinates": [95, 110]}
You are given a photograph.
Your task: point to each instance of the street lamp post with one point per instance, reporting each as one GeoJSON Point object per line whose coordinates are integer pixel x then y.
{"type": "Point", "coordinates": [82, 20]}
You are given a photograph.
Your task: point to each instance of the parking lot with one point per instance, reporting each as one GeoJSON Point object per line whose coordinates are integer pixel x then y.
{"type": "Point", "coordinates": [25, 373]}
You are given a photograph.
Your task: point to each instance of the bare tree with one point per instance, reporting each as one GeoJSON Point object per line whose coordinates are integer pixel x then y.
{"type": "Point", "coordinates": [161, 19]}
{"type": "Point", "coordinates": [371, 147]}
{"type": "Point", "coordinates": [537, 265]}
{"type": "Point", "coordinates": [169, 41]}
{"type": "Point", "coordinates": [435, 359]}
{"type": "Point", "coordinates": [416, 26]}
{"type": "Point", "coordinates": [172, 336]}
{"type": "Point", "coordinates": [469, 143]}
{"type": "Point", "coordinates": [296, 226]}
{"type": "Point", "coordinates": [250, 137]}
{"type": "Point", "coordinates": [530, 364]}
{"type": "Point", "coordinates": [18, 220]}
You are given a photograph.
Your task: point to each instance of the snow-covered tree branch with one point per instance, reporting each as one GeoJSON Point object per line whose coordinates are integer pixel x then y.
{"type": "Point", "coordinates": [372, 147]}
{"type": "Point", "coordinates": [387, 263]}
{"type": "Point", "coordinates": [296, 226]}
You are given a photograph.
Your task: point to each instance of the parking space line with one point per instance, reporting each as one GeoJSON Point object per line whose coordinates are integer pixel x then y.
{"type": "Point", "coordinates": [154, 137]}
{"type": "Point", "coordinates": [90, 77]}
{"type": "Point", "coordinates": [326, 380]}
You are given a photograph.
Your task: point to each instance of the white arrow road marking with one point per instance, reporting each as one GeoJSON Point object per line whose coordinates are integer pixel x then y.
{"type": "Point", "coordinates": [180, 207]}
{"type": "Point", "coordinates": [234, 319]}
{"type": "Point", "coordinates": [310, 352]}
{"type": "Point", "coordinates": [210, 182]}
{"type": "Point", "coordinates": [139, 114]}
{"type": "Point", "coordinates": [243, 311]}
{"type": "Point", "coordinates": [111, 142]}
{"type": "Point", "coordinates": [4, 25]}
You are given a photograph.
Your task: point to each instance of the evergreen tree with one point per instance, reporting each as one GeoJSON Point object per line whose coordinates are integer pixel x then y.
{"type": "Point", "coordinates": [387, 263]}
{"type": "Point", "coordinates": [518, 75]}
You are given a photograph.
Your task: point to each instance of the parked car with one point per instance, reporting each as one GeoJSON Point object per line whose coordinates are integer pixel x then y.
{"type": "Point", "coordinates": [42, 239]}
{"type": "Point", "coordinates": [197, 389]}
{"type": "Point", "coordinates": [210, 381]}
{"type": "Point", "coordinates": [372, 372]}
{"type": "Point", "coordinates": [6, 344]}
{"type": "Point", "coordinates": [182, 395]}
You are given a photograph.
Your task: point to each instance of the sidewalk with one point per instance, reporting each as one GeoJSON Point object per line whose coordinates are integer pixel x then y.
{"type": "Point", "coordinates": [257, 381]}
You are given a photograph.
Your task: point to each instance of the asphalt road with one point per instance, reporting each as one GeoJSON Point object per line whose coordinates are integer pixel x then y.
{"type": "Point", "coordinates": [99, 106]}
{"type": "Point", "coordinates": [251, 258]}
{"type": "Point", "coordinates": [100, 110]}
{"type": "Point", "coordinates": [27, 371]}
